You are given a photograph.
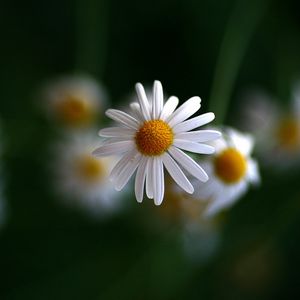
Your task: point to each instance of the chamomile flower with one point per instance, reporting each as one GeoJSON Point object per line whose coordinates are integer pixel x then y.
{"type": "Point", "coordinates": [82, 179]}
{"type": "Point", "coordinates": [277, 131]}
{"type": "Point", "coordinates": [287, 131]}
{"type": "Point", "coordinates": [152, 137]}
{"type": "Point", "coordinates": [75, 101]}
{"type": "Point", "coordinates": [258, 114]}
{"type": "Point", "coordinates": [231, 170]}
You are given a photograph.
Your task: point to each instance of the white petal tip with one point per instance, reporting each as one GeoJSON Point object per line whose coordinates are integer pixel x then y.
{"type": "Point", "coordinates": [139, 200]}
{"type": "Point", "coordinates": [191, 191]}
{"type": "Point", "coordinates": [204, 179]}
{"type": "Point", "coordinates": [96, 153]}
{"type": "Point", "coordinates": [107, 112]}
{"type": "Point", "coordinates": [157, 203]}
{"type": "Point", "coordinates": [212, 115]}
{"type": "Point", "coordinates": [212, 151]}
{"type": "Point", "coordinates": [196, 99]}
{"type": "Point", "coordinates": [138, 86]}
{"type": "Point", "coordinates": [100, 133]}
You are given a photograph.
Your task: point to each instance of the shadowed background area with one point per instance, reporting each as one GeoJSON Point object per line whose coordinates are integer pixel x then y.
{"type": "Point", "coordinates": [214, 49]}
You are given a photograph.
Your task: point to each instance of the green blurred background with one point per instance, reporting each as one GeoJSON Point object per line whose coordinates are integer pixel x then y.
{"type": "Point", "coordinates": [50, 251]}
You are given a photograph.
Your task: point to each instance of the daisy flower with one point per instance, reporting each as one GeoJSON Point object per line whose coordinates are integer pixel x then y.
{"type": "Point", "coordinates": [75, 101]}
{"type": "Point", "coordinates": [258, 114]}
{"type": "Point", "coordinates": [152, 137]}
{"type": "Point", "coordinates": [277, 131]}
{"type": "Point", "coordinates": [81, 178]}
{"type": "Point", "coordinates": [231, 170]}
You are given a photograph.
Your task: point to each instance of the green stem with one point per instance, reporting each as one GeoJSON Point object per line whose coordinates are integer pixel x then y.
{"type": "Point", "coordinates": [241, 26]}
{"type": "Point", "coordinates": [92, 18]}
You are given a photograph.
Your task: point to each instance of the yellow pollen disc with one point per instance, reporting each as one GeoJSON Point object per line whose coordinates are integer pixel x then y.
{"type": "Point", "coordinates": [154, 137]}
{"type": "Point", "coordinates": [74, 110]}
{"type": "Point", "coordinates": [288, 133]}
{"type": "Point", "coordinates": [89, 168]}
{"type": "Point", "coordinates": [230, 165]}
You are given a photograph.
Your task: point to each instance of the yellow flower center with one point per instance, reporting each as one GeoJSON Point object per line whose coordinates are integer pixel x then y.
{"type": "Point", "coordinates": [89, 168]}
{"type": "Point", "coordinates": [154, 137]}
{"type": "Point", "coordinates": [288, 133]}
{"type": "Point", "coordinates": [230, 165]}
{"type": "Point", "coordinates": [75, 110]}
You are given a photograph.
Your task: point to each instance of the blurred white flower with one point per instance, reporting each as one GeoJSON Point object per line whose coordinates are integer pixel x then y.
{"type": "Point", "coordinates": [151, 138]}
{"type": "Point", "coordinates": [200, 235]}
{"type": "Point", "coordinates": [258, 114]}
{"type": "Point", "coordinates": [277, 131]}
{"type": "Point", "coordinates": [74, 101]}
{"type": "Point", "coordinates": [230, 170]}
{"type": "Point", "coordinates": [81, 178]}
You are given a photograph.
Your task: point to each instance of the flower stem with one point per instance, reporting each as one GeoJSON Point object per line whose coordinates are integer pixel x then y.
{"type": "Point", "coordinates": [92, 18]}
{"type": "Point", "coordinates": [241, 26]}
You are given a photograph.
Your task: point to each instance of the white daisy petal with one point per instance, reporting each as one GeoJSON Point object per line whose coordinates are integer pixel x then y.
{"type": "Point", "coordinates": [252, 172]}
{"type": "Point", "coordinates": [204, 191]}
{"type": "Point", "coordinates": [143, 100]}
{"type": "Point", "coordinates": [140, 180]}
{"type": "Point", "coordinates": [194, 147]}
{"type": "Point", "coordinates": [169, 107]}
{"type": "Point", "coordinates": [187, 109]}
{"type": "Point", "coordinates": [122, 163]}
{"type": "Point", "coordinates": [188, 163]}
{"type": "Point", "coordinates": [127, 172]}
{"type": "Point", "coordinates": [243, 142]}
{"type": "Point", "coordinates": [158, 181]}
{"type": "Point", "coordinates": [149, 178]}
{"type": "Point", "coordinates": [136, 111]}
{"type": "Point", "coordinates": [123, 118]}
{"type": "Point", "coordinates": [158, 99]}
{"type": "Point", "coordinates": [176, 173]}
{"type": "Point", "coordinates": [199, 136]}
{"type": "Point", "coordinates": [194, 122]}
{"type": "Point", "coordinates": [115, 140]}
{"type": "Point", "coordinates": [225, 200]}
{"type": "Point", "coordinates": [113, 148]}
{"type": "Point", "coordinates": [116, 132]}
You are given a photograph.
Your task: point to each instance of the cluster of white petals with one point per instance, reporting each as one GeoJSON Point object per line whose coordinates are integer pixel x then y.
{"type": "Point", "coordinates": [154, 136]}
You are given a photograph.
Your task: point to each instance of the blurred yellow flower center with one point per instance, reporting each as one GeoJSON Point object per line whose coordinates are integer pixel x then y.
{"type": "Point", "coordinates": [90, 168]}
{"type": "Point", "coordinates": [154, 137]}
{"type": "Point", "coordinates": [74, 110]}
{"type": "Point", "coordinates": [288, 133]}
{"type": "Point", "coordinates": [230, 165]}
